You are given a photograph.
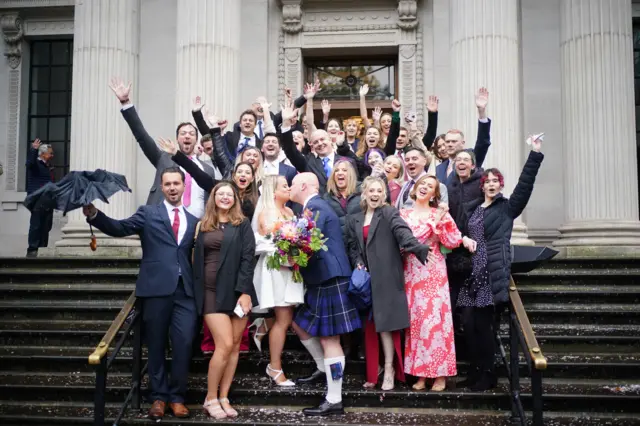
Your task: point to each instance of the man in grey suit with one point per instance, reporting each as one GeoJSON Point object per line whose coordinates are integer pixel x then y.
{"type": "Point", "coordinates": [194, 197]}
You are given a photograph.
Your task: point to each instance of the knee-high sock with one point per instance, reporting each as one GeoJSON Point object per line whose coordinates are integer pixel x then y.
{"type": "Point", "coordinates": [387, 347]}
{"type": "Point", "coordinates": [315, 349]}
{"type": "Point", "coordinates": [334, 387]}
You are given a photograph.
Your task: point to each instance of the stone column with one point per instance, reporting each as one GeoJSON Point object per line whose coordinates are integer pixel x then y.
{"type": "Point", "coordinates": [292, 62]}
{"type": "Point", "coordinates": [105, 44]}
{"type": "Point", "coordinates": [601, 187]}
{"type": "Point", "coordinates": [208, 34]}
{"type": "Point", "coordinates": [485, 52]}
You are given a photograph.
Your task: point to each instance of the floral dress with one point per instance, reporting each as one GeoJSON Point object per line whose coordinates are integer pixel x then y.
{"type": "Point", "coordinates": [429, 342]}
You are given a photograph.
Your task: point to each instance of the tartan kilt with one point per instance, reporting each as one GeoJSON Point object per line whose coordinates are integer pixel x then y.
{"type": "Point", "coordinates": [327, 310]}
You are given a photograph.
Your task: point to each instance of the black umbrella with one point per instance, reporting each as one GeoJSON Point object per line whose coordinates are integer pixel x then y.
{"type": "Point", "coordinates": [527, 258]}
{"type": "Point", "coordinates": [75, 190]}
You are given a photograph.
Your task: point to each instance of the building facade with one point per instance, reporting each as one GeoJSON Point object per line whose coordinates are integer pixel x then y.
{"type": "Point", "coordinates": [563, 67]}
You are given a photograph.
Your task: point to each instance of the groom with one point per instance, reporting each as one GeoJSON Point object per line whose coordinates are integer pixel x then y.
{"type": "Point", "coordinates": [327, 312]}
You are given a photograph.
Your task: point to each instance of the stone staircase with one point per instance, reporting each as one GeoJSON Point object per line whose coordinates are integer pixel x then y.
{"type": "Point", "coordinates": [54, 312]}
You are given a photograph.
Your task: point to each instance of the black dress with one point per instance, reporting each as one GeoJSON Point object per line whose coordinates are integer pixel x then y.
{"type": "Point", "coordinates": [212, 256]}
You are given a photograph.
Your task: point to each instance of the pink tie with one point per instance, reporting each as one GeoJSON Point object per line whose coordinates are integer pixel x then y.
{"type": "Point", "coordinates": [186, 199]}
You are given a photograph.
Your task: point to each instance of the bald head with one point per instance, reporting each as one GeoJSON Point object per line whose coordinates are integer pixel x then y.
{"type": "Point", "coordinates": [304, 185]}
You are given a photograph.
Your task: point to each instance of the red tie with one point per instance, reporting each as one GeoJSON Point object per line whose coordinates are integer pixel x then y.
{"type": "Point", "coordinates": [176, 223]}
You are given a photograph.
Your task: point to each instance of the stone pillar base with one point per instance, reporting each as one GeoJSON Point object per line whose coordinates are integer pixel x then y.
{"type": "Point", "coordinates": [519, 236]}
{"type": "Point", "coordinates": [76, 239]}
{"type": "Point", "coordinates": [599, 239]}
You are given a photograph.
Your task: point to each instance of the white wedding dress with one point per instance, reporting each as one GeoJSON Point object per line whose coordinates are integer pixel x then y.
{"type": "Point", "coordinates": [274, 288]}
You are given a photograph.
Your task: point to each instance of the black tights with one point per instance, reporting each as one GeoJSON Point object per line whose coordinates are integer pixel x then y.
{"type": "Point", "coordinates": [479, 336]}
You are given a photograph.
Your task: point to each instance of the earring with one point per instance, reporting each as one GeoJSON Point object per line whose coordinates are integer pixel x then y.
{"type": "Point", "coordinates": [431, 200]}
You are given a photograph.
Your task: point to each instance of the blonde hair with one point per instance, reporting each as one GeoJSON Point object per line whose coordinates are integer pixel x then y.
{"type": "Point", "coordinates": [258, 172]}
{"type": "Point", "coordinates": [352, 179]}
{"type": "Point", "coordinates": [362, 145]}
{"type": "Point", "coordinates": [268, 195]}
{"type": "Point", "coordinates": [210, 220]}
{"type": "Point", "coordinates": [366, 183]}
{"type": "Point", "coordinates": [400, 178]}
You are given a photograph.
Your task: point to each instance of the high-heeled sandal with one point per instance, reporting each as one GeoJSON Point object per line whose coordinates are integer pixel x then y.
{"type": "Point", "coordinates": [259, 323]}
{"type": "Point", "coordinates": [286, 383]}
{"type": "Point", "coordinates": [229, 411]}
{"type": "Point", "coordinates": [388, 381]}
{"type": "Point", "coordinates": [439, 387]}
{"type": "Point", "coordinates": [214, 409]}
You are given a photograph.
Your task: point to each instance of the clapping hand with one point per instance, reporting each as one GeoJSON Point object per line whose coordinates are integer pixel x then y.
{"type": "Point", "coordinates": [432, 103]}
{"type": "Point", "coordinates": [396, 105]}
{"type": "Point", "coordinates": [167, 145]}
{"type": "Point", "coordinates": [121, 91]}
{"type": "Point", "coordinates": [469, 244]}
{"type": "Point", "coordinates": [36, 144]}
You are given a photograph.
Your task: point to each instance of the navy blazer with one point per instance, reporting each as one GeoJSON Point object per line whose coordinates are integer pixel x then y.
{"type": "Point", "coordinates": [163, 260]}
{"type": "Point", "coordinates": [483, 141]}
{"type": "Point", "coordinates": [38, 173]}
{"type": "Point", "coordinates": [287, 171]}
{"type": "Point", "coordinates": [333, 263]}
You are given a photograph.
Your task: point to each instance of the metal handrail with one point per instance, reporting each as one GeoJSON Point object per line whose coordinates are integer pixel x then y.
{"type": "Point", "coordinates": [112, 332]}
{"type": "Point", "coordinates": [539, 361]}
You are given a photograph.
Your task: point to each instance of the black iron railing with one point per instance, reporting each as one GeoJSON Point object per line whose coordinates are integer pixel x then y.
{"type": "Point", "coordinates": [522, 339]}
{"type": "Point", "coordinates": [129, 322]}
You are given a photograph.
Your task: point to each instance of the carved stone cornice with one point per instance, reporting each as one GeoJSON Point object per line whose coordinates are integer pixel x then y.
{"type": "Point", "coordinates": [407, 14]}
{"type": "Point", "coordinates": [12, 32]}
{"type": "Point", "coordinates": [291, 16]}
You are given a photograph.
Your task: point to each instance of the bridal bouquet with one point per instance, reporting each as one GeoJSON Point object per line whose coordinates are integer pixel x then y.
{"type": "Point", "coordinates": [296, 240]}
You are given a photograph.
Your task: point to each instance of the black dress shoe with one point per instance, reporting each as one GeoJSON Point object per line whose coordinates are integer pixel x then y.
{"type": "Point", "coordinates": [473, 375]}
{"type": "Point", "coordinates": [315, 377]}
{"type": "Point", "coordinates": [487, 381]}
{"type": "Point", "coordinates": [324, 409]}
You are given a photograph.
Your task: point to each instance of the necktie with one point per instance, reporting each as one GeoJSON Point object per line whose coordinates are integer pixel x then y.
{"type": "Point", "coordinates": [326, 166]}
{"type": "Point", "coordinates": [186, 197]}
{"type": "Point", "coordinates": [449, 168]}
{"type": "Point", "coordinates": [176, 223]}
{"type": "Point", "coordinates": [243, 144]}
{"type": "Point", "coordinates": [405, 195]}
{"type": "Point", "coordinates": [260, 134]}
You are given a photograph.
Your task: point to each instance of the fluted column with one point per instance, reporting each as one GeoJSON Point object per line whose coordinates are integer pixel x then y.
{"type": "Point", "coordinates": [601, 187]}
{"type": "Point", "coordinates": [105, 44]}
{"type": "Point", "coordinates": [208, 34]}
{"type": "Point", "coordinates": [485, 52]}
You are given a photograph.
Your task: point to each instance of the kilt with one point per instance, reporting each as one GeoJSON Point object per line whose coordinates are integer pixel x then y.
{"type": "Point", "coordinates": [327, 310]}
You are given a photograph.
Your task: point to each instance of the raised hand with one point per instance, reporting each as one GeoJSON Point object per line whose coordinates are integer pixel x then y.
{"type": "Point", "coordinates": [443, 209]}
{"type": "Point", "coordinates": [167, 145]}
{"type": "Point", "coordinates": [288, 112]}
{"type": "Point", "coordinates": [326, 107]}
{"type": "Point", "coordinates": [288, 92]}
{"type": "Point", "coordinates": [376, 114]}
{"type": "Point", "coordinates": [265, 107]}
{"type": "Point", "coordinates": [36, 144]}
{"type": "Point", "coordinates": [223, 125]}
{"type": "Point", "coordinates": [396, 105]}
{"type": "Point", "coordinates": [482, 98]}
{"type": "Point", "coordinates": [309, 91]}
{"type": "Point", "coordinates": [316, 85]}
{"type": "Point", "coordinates": [535, 141]}
{"type": "Point", "coordinates": [469, 244]}
{"type": "Point", "coordinates": [340, 138]}
{"type": "Point", "coordinates": [364, 89]}
{"type": "Point", "coordinates": [432, 103]}
{"type": "Point", "coordinates": [121, 91]}
{"type": "Point", "coordinates": [197, 103]}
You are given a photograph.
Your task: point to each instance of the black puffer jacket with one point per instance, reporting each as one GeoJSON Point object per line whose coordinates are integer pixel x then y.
{"type": "Point", "coordinates": [498, 225]}
{"type": "Point", "coordinates": [353, 206]}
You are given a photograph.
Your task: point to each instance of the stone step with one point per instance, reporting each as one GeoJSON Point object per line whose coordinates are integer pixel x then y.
{"type": "Point", "coordinates": [568, 313]}
{"type": "Point", "coordinates": [66, 291]}
{"type": "Point", "coordinates": [66, 275]}
{"type": "Point", "coordinates": [578, 293]}
{"type": "Point", "coordinates": [48, 263]}
{"type": "Point", "coordinates": [256, 389]}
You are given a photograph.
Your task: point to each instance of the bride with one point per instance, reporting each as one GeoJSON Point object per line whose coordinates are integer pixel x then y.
{"type": "Point", "coordinates": [275, 289]}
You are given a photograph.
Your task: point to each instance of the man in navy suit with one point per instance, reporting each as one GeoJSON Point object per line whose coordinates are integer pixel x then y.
{"type": "Point", "coordinates": [454, 140]}
{"type": "Point", "coordinates": [327, 312]}
{"type": "Point", "coordinates": [38, 175]}
{"type": "Point", "coordinates": [165, 285]}
{"type": "Point", "coordinates": [272, 163]}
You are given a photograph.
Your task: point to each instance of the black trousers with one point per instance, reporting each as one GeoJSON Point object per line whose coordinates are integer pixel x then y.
{"type": "Point", "coordinates": [39, 228]}
{"type": "Point", "coordinates": [479, 336]}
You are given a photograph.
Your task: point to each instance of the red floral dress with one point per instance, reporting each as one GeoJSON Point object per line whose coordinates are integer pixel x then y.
{"type": "Point", "coordinates": [429, 343]}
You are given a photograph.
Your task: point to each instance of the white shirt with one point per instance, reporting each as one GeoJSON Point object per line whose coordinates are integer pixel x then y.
{"type": "Point", "coordinates": [183, 219]}
{"type": "Point", "coordinates": [304, 206]}
{"type": "Point", "coordinates": [196, 207]}
{"type": "Point", "coordinates": [251, 142]}
{"type": "Point", "coordinates": [271, 167]}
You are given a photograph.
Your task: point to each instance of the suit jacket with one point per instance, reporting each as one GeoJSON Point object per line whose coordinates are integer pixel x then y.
{"type": "Point", "coordinates": [388, 233]}
{"type": "Point", "coordinates": [160, 160]}
{"type": "Point", "coordinates": [38, 173]}
{"type": "Point", "coordinates": [235, 271]}
{"type": "Point", "coordinates": [480, 150]}
{"type": "Point", "coordinates": [333, 263]}
{"type": "Point", "coordinates": [287, 171]}
{"type": "Point", "coordinates": [163, 260]}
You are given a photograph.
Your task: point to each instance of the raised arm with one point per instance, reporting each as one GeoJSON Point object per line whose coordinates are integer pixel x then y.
{"type": "Point", "coordinates": [522, 191]}
{"type": "Point", "coordinates": [363, 106]}
{"type": "Point", "coordinates": [112, 227]}
{"type": "Point", "coordinates": [221, 153]}
{"type": "Point", "coordinates": [146, 142]}
{"type": "Point", "coordinates": [198, 117]}
{"type": "Point", "coordinates": [309, 93]}
{"type": "Point", "coordinates": [484, 127]}
{"type": "Point", "coordinates": [297, 104]}
{"type": "Point", "coordinates": [394, 130]}
{"type": "Point", "coordinates": [202, 178]}
{"type": "Point", "coordinates": [432, 122]}
{"type": "Point", "coordinates": [32, 155]}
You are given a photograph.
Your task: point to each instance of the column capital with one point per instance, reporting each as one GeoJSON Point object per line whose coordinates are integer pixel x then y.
{"type": "Point", "coordinates": [407, 14]}
{"type": "Point", "coordinates": [13, 33]}
{"type": "Point", "coordinates": [291, 16]}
